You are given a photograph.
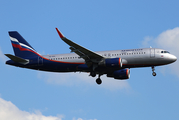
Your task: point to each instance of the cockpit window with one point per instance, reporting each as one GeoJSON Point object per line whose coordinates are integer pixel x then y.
{"type": "Point", "coordinates": [164, 52]}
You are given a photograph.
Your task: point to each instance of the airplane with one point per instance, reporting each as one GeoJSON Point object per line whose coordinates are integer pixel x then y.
{"type": "Point", "coordinates": [115, 64]}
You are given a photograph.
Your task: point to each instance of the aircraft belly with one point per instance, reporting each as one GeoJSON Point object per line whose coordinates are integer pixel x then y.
{"type": "Point", "coordinates": [57, 66]}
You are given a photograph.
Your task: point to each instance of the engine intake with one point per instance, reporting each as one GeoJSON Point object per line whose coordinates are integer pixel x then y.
{"type": "Point", "coordinates": [120, 74]}
{"type": "Point", "coordinates": [111, 62]}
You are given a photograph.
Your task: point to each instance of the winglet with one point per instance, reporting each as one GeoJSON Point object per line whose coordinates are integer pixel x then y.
{"type": "Point", "coordinates": [59, 33]}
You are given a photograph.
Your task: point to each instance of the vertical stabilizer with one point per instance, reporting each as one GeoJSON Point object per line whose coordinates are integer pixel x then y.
{"type": "Point", "coordinates": [21, 47]}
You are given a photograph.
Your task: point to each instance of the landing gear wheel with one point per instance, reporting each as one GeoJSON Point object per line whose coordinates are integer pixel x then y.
{"type": "Point", "coordinates": [98, 81]}
{"type": "Point", "coordinates": [93, 73]}
{"type": "Point", "coordinates": [153, 69]}
{"type": "Point", "coordinates": [154, 74]}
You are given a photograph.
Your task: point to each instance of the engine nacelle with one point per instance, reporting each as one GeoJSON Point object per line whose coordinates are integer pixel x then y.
{"type": "Point", "coordinates": [120, 74]}
{"type": "Point", "coordinates": [111, 62]}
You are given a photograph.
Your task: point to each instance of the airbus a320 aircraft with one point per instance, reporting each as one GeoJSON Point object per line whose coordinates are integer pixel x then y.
{"type": "Point", "coordinates": [115, 64]}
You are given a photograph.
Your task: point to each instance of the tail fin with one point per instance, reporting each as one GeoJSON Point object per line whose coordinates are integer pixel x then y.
{"type": "Point", "coordinates": [21, 47]}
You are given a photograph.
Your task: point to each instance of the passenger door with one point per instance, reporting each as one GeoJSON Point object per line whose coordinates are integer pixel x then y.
{"type": "Point", "coordinates": [152, 52]}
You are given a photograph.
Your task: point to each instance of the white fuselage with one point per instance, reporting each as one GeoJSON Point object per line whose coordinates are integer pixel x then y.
{"type": "Point", "coordinates": [130, 57]}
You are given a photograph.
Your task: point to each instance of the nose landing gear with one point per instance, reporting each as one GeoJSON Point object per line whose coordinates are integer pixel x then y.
{"type": "Point", "coordinates": [153, 73]}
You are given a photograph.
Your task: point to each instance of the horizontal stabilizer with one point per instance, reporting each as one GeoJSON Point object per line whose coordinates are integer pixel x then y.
{"type": "Point", "coordinates": [17, 59]}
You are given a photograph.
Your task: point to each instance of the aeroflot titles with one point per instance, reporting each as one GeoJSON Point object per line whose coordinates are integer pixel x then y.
{"type": "Point", "coordinates": [132, 50]}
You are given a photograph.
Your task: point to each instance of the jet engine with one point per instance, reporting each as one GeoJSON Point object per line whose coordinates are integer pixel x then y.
{"type": "Point", "coordinates": [111, 62]}
{"type": "Point", "coordinates": [120, 74]}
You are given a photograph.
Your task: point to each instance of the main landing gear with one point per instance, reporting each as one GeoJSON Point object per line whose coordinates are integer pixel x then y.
{"type": "Point", "coordinates": [93, 73]}
{"type": "Point", "coordinates": [98, 80]}
{"type": "Point", "coordinates": [153, 73]}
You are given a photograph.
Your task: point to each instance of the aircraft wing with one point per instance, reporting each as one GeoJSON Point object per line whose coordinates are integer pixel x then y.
{"type": "Point", "coordinates": [84, 53]}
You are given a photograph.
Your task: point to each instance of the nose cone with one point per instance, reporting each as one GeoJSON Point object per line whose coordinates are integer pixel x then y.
{"type": "Point", "coordinates": [173, 58]}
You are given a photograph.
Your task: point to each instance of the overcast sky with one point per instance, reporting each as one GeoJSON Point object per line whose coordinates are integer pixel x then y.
{"type": "Point", "coordinates": [97, 25]}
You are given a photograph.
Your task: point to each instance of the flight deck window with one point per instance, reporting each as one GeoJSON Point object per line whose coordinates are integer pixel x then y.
{"type": "Point", "coordinates": [164, 52]}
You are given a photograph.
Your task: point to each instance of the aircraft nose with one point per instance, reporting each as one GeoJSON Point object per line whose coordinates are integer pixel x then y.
{"type": "Point", "coordinates": [173, 58]}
